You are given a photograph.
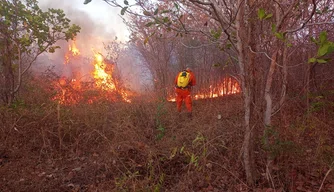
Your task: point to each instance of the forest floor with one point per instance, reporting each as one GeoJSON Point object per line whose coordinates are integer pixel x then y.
{"type": "Point", "coordinates": [147, 146]}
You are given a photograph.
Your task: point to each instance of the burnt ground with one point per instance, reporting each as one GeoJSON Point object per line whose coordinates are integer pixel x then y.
{"type": "Point", "coordinates": [147, 146]}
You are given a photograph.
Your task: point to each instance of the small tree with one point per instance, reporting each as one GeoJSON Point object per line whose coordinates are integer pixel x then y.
{"type": "Point", "coordinates": [26, 32]}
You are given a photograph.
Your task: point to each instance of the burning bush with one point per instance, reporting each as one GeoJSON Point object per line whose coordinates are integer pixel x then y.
{"type": "Point", "coordinates": [100, 84]}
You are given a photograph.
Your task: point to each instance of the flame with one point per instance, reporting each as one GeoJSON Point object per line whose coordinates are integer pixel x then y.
{"type": "Point", "coordinates": [103, 79]}
{"type": "Point", "coordinates": [68, 93]}
{"type": "Point", "coordinates": [227, 87]}
{"type": "Point", "coordinates": [72, 51]}
{"type": "Point", "coordinates": [73, 48]}
{"type": "Point", "coordinates": [104, 86]}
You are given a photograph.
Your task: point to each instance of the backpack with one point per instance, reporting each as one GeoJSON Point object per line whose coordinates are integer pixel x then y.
{"type": "Point", "coordinates": [183, 79]}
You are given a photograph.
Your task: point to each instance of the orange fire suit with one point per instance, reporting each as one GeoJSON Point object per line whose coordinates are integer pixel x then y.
{"type": "Point", "coordinates": [184, 93]}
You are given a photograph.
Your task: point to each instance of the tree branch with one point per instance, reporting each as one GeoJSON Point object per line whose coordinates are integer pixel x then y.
{"type": "Point", "coordinates": [321, 23]}
{"type": "Point", "coordinates": [257, 52]}
{"type": "Point", "coordinates": [200, 2]}
{"type": "Point", "coordinates": [306, 21]}
{"type": "Point", "coordinates": [280, 22]}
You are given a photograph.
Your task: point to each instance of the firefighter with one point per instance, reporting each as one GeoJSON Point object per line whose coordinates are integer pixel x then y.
{"type": "Point", "coordinates": [183, 84]}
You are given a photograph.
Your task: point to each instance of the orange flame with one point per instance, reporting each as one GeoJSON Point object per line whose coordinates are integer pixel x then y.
{"type": "Point", "coordinates": [103, 79]}
{"type": "Point", "coordinates": [68, 92]}
{"type": "Point", "coordinates": [72, 51]}
{"type": "Point", "coordinates": [227, 87]}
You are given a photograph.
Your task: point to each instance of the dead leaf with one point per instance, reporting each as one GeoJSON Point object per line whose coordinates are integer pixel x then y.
{"type": "Point", "coordinates": [76, 169]}
{"type": "Point", "coordinates": [210, 188]}
{"type": "Point", "coordinates": [258, 190]}
{"type": "Point", "coordinates": [209, 165]}
{"type": "Point", "coordinates": [330, 187]}
{"type": "Point", "coordinates": [276, 168]}
{"type": "Point", "coordinates": [271, 190]}
{"type": "Point", "coordinates": [69, 176]}
{"type": "Point", "coordinates": [301, 188]}
{"type": "Point", "coordinates": [95, 155]}
{"type": "Point", "coordinates": [70, 185]}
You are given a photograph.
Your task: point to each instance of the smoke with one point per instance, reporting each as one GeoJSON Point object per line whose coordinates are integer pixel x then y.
{"type": "Point", "coordinates": [135, 74]}
{"type": "Point", "coordinates": [96, 18]}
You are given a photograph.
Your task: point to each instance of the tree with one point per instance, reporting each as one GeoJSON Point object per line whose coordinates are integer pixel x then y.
{"type": "Point", "coordinates": [26, 32]}
{"type": "Point", "coordinates": [157, 53]}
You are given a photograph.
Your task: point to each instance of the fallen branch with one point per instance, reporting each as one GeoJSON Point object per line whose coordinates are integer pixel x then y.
{"type": "Point", "coordinates": [324, 179]}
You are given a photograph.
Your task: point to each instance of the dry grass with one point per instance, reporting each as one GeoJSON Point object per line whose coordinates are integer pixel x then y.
{"type": "Point", "coordinates": [148, 146]}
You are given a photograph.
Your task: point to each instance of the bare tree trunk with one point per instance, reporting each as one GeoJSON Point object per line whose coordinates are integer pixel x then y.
{"type": "Point", "coordinates": [8, 75]}
{"type": "Point", "coordinates": [269, 109]}
{"type": "Point", "coordinates": [246, 90]}
{"type": "Point", "coordinates": [267, 91]}
{"type": "Point", "coordinates": [308, 77]}
{"type": "Point", "coordinates": [285, 76]}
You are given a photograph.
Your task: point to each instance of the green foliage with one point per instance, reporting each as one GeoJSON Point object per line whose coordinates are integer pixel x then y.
{"type": "Point", "coordinates": [261, 13]}
{"type": "Point", "coordinates": [279, 35]}
{"type": "Point", "coordinates": [273, 28]}
{"type": "Point", "coordinates": [161, 112]}
{"type": "Point", "coordinates": [325, 47]}
{"type": "Point", "coordinates": [161, 129]}
{"type": "Point", "coordinates": [217, 64]}
{"type": "Point", "coordinates": [312, 60]}
{"type": "Point", "coordinates": [149, 24]}
{"type": "Point", "coordinates": [194, 156]}
{"type": "Point", "coordinates": [268, 16]}
{"type": "Point", "coordinates": [87, 1]}
{"type": "Point", "coordinates": [121, 182]}
{"type": "Point", "coordinates": [321, 102]}
{"type": "Point", "coordinates": [216, 34]}
{"type": "Point", "coordinates": [17, 104]}
{"type": "Point", "coordinates": [158, 186]}
{"type": "Point", "coordinates": [156, 11]}
{"type": "Point", "coordinates": [123, 10]}
{"type": "Point", "coordinates": [146, 13]}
